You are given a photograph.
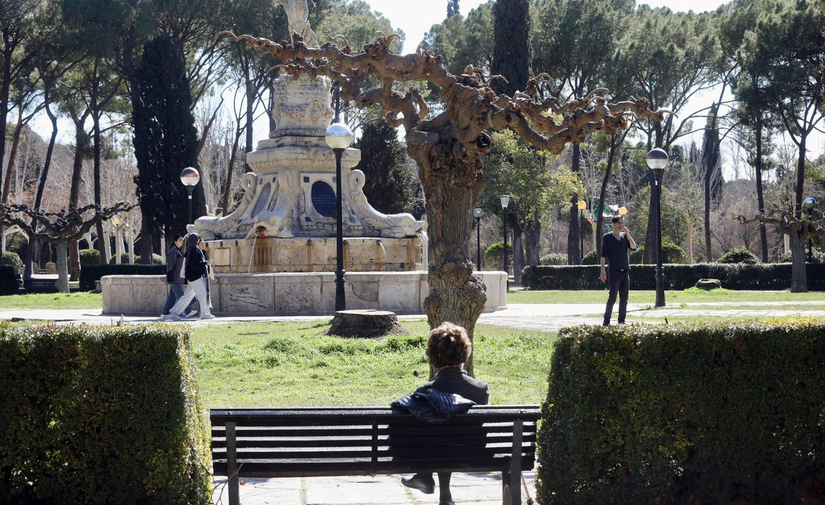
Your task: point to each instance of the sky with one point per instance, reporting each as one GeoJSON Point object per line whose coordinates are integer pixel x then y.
{"type": "Point", "coordinates": [416, 17]}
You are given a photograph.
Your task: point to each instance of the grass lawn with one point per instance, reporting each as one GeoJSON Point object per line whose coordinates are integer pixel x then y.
{"type": "Point", "coordinates": [292, 364]}
{"type": "Point", "coordinates": [691, 295]}
{"type": "Point", "coordinates": [78, 300]}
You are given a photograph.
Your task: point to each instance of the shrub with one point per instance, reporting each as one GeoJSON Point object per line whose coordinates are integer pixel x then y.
{"type": "Point", "coordinates": [553, 259]}
{"type": "Point", "coordinates": [157, 259]}
{"type": "Point", "coordinates": [733, 276]}
{"type": "Point", "coordinates": [819, 257]}
{"type": "Point", "coordinates": [13, 260]}
{"type": "Point", "coordinates": [591, 258]}
{"type": "Point", "coordinates": [101, 415]}
{"type": "Point", "coordinates": [684, 414]}
{"type": "Point", "coordinates": [739, 255]}
{"type": "Point", "coordinates": [93, 273]}
{"type": "Point", "coordinates": [494, 256]}
{"type": "Point", "coordinates": [8, 281]}
{"type": "Point", "coordinates": [671, 253]}
{"type": "Point", "coordinates": [89, 257]}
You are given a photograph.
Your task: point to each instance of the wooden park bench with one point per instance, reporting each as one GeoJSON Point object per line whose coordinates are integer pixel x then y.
{"type": "Point", "coordinates": [339, 441]}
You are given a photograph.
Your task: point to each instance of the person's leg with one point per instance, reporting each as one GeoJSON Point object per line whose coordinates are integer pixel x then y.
{"type": "Point", "coordinates": [444, 495]}
{"type": "Point", "coordinates": [611, 298]}
{"type": "Point", "coordinates": [183, 301]}
{"type": "Point", "coordinates": [421, 481]}
{"type": "Point", "coordinates": [175, 292]}
{"type": "Point", "coordinates": [624, 291]}
{"type": "Point", "coordinates": [199, 286]}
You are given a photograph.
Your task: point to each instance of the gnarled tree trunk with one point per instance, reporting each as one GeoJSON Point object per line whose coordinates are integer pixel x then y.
{"type": "Point", "coordinates": [799, 276]}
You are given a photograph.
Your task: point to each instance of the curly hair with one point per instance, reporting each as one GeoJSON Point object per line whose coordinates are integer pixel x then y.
{"type": "Point", "coordinates": [448, 345]}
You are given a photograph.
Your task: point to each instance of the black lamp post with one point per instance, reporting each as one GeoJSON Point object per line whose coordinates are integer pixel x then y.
{"type": "Point", "coordinates": [478, 214]}
{"type": "Point", "coordinates": [339, 138]}
{"type": "Point", "coordinates": [582, 206]}
{"type": "Point", "coordinates": [809, 205]}
{"type": "Point", "coordinates": [190, 177]}
{"type": "Point", "coordinates": [505, 201]}
{"type": "Point", "coordinates": [657, 160]}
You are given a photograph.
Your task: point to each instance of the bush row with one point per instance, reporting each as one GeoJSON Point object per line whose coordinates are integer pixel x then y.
{"type": "Point", "coordinates": [8, 280]}
{"type": "Point", "coordinates": [763, 276]}
{"type": "Point", "coordinates": [101, 415]}
{"type": "Point", "coordinates": [685, 414]}
{"type": "Point", "coordinates": [92, 273]}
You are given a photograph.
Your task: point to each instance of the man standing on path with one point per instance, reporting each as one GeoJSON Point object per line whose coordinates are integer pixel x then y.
{"type": "Point", "coordinates": [615, 246]}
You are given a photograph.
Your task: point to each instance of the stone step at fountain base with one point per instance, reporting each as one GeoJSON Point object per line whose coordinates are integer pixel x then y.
{"type": "Point", "coordinates": [291, 294]}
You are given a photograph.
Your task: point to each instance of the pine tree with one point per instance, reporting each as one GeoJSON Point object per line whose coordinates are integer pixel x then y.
{"type": "Point", "coordinates": [452, 8]}
{"type": "Point", "coordinates": [165, 138]}
{"type": "Point", "coordinates": [388, 186]}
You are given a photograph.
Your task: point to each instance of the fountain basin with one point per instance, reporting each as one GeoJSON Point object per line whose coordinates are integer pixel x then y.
{"type": "Point", "coordinates": [291, 294]}
{"type": "Point", "coordinates": [317, 254]}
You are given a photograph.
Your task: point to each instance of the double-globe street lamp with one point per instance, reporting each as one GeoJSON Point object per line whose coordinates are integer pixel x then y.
{"type": "Point", "coordinates": [339, 137]}
{"type": "Point", "coordinates": [478, 214]}
{"type": "Point", "coordinates": [190, 177]}
{"type": "Point", "coordinates": [505, 201]}
{"type": "Point", "coordinates": [657, 161]}
{"type": "Point", "coordinates": [809, 205]}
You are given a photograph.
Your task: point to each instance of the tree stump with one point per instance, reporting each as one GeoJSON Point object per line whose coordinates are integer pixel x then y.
{"type": "Point", "coordinates": [708, 284]}
{"type": "Point", "coordinates": [365, 324]}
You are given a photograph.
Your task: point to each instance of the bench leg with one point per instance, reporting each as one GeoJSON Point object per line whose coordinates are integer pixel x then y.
{"type": "Point", "coordinates": [515, 463]}
{"type": "Point", "coordinates": [506, 483]}
{"type": "Point", "coordinates": [232, 465]}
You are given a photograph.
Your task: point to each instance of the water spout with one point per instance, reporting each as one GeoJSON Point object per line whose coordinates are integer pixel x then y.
{"type": "Point", "coordinates": [380, 255]}
{"type": "Point", "coordinates": [260, 232]}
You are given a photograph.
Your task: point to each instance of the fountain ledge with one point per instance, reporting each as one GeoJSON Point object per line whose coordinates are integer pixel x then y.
{"type": "Point", "coordinates": [291, 294]}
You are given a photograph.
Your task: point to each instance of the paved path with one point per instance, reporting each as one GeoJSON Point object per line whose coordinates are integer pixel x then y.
{"type": "Point", "coordinates": [474, 488]}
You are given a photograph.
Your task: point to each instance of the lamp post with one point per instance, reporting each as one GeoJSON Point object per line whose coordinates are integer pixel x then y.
{"type": "Point", "coordinates": [339, 138]}
{"type": "Point", "coordinates": [190, 177]}
{"type": "Point", "coordinates": [582, 206]}
{"type": "Point", "coordinates": [505, 201]}
{"type": "Point", "coordinates": [809, 204]}
{"type": "Point", "coordinates": [657, 161]}
{"type": "Point", "coordinates": [478, 214]}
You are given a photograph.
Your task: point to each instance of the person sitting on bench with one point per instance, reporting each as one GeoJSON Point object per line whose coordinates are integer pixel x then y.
{"type": "Point", "coordinates": [448, 348]}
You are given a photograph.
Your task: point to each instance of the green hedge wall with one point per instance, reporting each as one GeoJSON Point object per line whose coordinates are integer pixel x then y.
{"type": "Point", "coordinates": [685, 414]}
{"type": "Point", "coordinates": [92, 273]}
{"type": "Point", "coordinates": [8, 280]}
{"type": "Point", "coordinates": [101, 415]}
{"type": "Point", "coordinates": [768, 276]}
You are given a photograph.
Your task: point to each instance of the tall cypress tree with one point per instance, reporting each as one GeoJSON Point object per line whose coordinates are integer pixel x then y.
{"type": "Point", "coordinates": [388, 186]}
{"type": "Point", "coordinates": [166, 140]}
{"type": "Point", "coordinates": [512, 53]}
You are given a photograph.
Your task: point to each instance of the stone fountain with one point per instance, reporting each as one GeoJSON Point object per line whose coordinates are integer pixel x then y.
{"type": "Point", "coordinates": [286, 222]}
{"type": "Point", "coordinates": [275, 253]}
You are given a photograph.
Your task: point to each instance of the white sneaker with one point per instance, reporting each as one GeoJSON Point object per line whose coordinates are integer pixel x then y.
{"type": "Point", "coordinates": [191, 313]}
{"type": "Point", "coordinates": [207, 316]}
{"type": "Point", "coordinates": [174, 317]}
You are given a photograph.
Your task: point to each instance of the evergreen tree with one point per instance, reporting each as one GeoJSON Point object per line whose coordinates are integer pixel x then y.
{"type": "Point", "coordinates": [388, 186]}
{"type": "Point", "coordinates": [452, 8]}
{"type": "Point", "coordinates": [512, 53]}
{"type": "Point", "coordinates": [165, 138]}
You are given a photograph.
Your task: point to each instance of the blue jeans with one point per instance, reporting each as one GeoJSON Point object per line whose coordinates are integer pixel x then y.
{"type": "Point", "coordinates": [175, 292]}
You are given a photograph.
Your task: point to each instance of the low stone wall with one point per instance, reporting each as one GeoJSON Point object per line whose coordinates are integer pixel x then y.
{"type": "Point", "coordinates": [290, 294]}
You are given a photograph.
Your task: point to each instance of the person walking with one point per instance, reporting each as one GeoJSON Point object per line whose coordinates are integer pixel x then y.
{"type": "Point", "coordinates": [195, 273]}
{"type": "Point", "coordinates": [174, 276]}
{"type": "Point", "coordinates": [448, 348]}
{"type": "Point", "coordinates": [615, 247]}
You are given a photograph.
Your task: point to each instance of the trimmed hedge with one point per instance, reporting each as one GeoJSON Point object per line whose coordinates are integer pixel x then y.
{"type": "Point", "coordinates": [8, 281]}
{"type": "Point", "coordinates": [685, 414]}
{"type": "Point", "coordinates": [12, 259]}
{"type": "Point", "coordinates": [739, 255]}
{"type": "Point", "coordinates": [101, 415]}
{"type": "Point", "coordinates": [92, 273]}
{"type": "Point", "coordinates": [763, 276]}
